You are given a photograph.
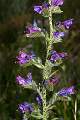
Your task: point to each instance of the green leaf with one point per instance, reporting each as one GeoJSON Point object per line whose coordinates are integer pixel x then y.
{"type": "Point", "coordinates": [31, 86]}
{"type": "Point", "coordinates": [56, 9]}
{"type": "Point", "coordinates": [27, 64]}
{"type": "Point", "coordinates": [35, 34]}
{"type": "Point", "coordinates": [38, 63]}
{"type": "Point", "coordinates": [53, 99]}
{"type": "Point", "coordinates": [63, 67]}
{"type": "Point", "coordinates": [57, 40]}
{"type": "Point", "coordinates": [58, 62]}
{"type": "Point", "coordinates": [45, 12]}
{"type": "Point", "coordinates": [55, 64]}
{"type": "Point", "coordinates": [37, 115]}
{"type": "Point", "coordinates": [50, 107]}
{"type": "Point", "coordinates": [53, 73]}
{"type": "Point", "coordinates": [55, 119]}
{"type": "Point", "coordinates": [26, 116]}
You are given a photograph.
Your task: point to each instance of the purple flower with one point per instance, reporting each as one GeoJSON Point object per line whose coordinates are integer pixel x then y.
{"type": "Point", "coordinates": [53, 80]}
{"type": "Point", "coordinates": [54, 56]}
{"type": "Point", "coordinates": [38, 9]}
{"type": "Point", "coordinates": [25, 57]}
{"type": "Point", "coordinates": [39, 100]}
{"type": "Point", "coordinates": [45, 5]}
{"type": "Point", "coordinates": [31, 30]}
{"type": "Point", "coordinates": [24, 81]}
{"type": "Point", "coordinates": [57, 2]}
{"type": "Point", "coordinates": [25, 107]}
{"type": "Point", "coordinates": [63, 54]}
{"type": "Point", "coordinates": [68, 23]}
{"type": "Point", "coordinates": [67, 91]}
{"type": "Point", "coordinates": [58, 34]}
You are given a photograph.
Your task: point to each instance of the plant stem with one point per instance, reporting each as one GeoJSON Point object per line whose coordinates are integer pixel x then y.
{"type": "Point", "coordinates": [51, 29]}
{"type": "Point", "coordinates": [75, 111]}
{"type": "Point", "coordinates": [44, 104]}
{"type": "Point", "coordinates": [50, 20]}
{"type": "Point", "coordinates": [49, 47]}
{"type": "Point", "coordinates": [65, 107]}
{"type": "Point", "coordinates": [25, 117]}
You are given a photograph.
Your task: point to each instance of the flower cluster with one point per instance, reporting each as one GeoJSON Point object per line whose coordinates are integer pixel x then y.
{"type": "Point", "coordinates": [54, 56]}
{"type": "Point", "coordinates": [67, 23]}
{"type": "Point", "coordinates": [67, 91]}
{"type": "Point", "coordinates": [25, 57]}
{"type": "Point", "coordinates": [24, 82]}
{"type": "Point", "coordinates": [26, 107]}
{"type": "Point", "coordinates": [39, 9]}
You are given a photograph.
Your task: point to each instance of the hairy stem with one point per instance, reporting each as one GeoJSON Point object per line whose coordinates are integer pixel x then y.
{"type": "Point", "coordinates": [51, 29]}
{"type": "Point", "coordinates": [75, 111]}
{"type": "Point", "coordinates": [44, 104]}
{"type": "Point", "coordinates": [49, 47]}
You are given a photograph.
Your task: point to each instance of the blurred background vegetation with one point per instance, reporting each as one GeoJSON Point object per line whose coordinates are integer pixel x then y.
{"type": "Point", "coordinates": [14, 16]}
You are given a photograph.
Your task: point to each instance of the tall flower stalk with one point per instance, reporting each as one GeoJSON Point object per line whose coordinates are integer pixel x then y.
{"type": "Point", "coordinates": [53, 59]}
{"type": "Point", "coordinates": [49, 47]}
{"type": "Point", "coordinates": [51, 29]}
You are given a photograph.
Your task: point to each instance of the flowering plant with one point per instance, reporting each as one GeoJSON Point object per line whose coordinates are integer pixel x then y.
{"type": "Point", "coordinates": [53, 59]}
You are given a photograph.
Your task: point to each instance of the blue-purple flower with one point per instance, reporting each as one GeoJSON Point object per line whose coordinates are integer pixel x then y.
{"type": "Point", "coordinates": [58, 34]}
{"type": "Point", "coordinates": [54, 56]}
{"type": "Point", "coordinates": [63, 55]}
{"type": "Point", "coordinates": [24, 81]}
{"type": "Point", "coordinates": [39, 100]}
{"type": "Point", "coordinates": [25, 107]}
{"type": "Point", "coordinates": [31, 30]}
{"type": "Point", "coordinates": [25, 57]}
{"type": "Point", "coordinates": [67, 91]}
{"type": "Point", "coordinates": [68, 23]}
{"type": "Point", "coordinates": [57, 2]}
{"type": "Point", "coordinates": [38, 9]}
